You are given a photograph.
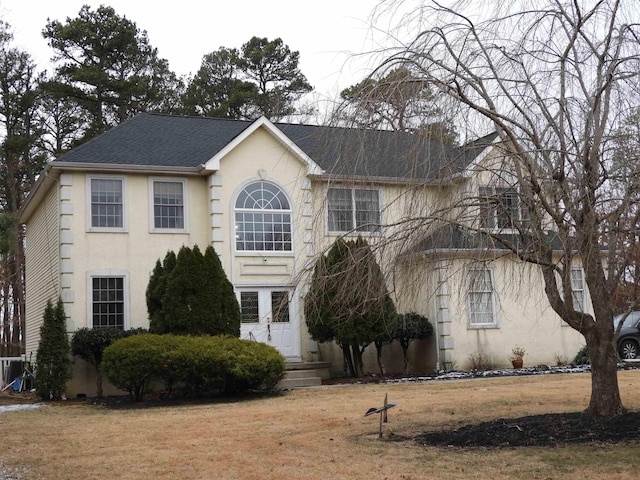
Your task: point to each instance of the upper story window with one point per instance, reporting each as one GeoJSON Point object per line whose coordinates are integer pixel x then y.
{"type": "Point", "coordinates": [263, 218]}
{"type": "Point", "coordinates": [353, 209]}
{"type": "Point", "coordinates": [481, 298]}
{"type": "Point", "coordinates": [106, 210]}
{"type": "Point", "coordinates": [169, 206]}
{"type": "Point", "coordinates": [500, 208]}
{"type": "Point", "coordinates": [577, 289]}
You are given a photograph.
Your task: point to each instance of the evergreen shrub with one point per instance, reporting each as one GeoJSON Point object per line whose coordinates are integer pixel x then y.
{"type": "Point", "coordinates": [89, 344]}
{"type": "Point", "coordinates": [53, 361]}
{"type": "Point", "coordinates": [195, 365]}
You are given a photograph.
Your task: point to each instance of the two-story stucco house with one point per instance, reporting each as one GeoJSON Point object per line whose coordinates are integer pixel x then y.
{"type": "Point", "coordinates": [269, 198]}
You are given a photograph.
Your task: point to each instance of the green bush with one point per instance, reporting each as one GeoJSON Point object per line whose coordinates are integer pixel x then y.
{"type": "Point", "coordinates": [582, 357]}
{"type": "Point", "coordinates": [189, 294]}
{"type": "Point", "coordinates": [89, 344]}
{"type": "Point", "coordinates": [52, 358]}
{"type": "Point", "coordinates": [132, 363]}
{"type": "Point", "coordinates": [196, 365]}
{"type": "Point", "coordinates": [250, 365]}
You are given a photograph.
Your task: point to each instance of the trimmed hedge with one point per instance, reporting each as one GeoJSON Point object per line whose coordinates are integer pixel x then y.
{"type": "Point", "coordinates": [196, 365]}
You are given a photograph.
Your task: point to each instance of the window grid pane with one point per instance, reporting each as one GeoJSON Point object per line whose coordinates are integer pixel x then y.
{"type": "Point", "coordinates": [367, 210]}
{"type": "Point", "coordinates": [340, 209]}
{"type": "Point", "coordinates": [481, 311]}
{"type": "Point", "coordinates": [108, 302]}
{"type": "Point", "coordinates": [249, 307]}
{"type": "Point", "coordinates": [280, 307]}
{"type": "Point", "coordinates": [349, 210]}
{"type": "Point", "coordinates": [265, 223]}
{"type": "Point", "coordinates": [106, 203]}
{"type": "Point", "coordinates": [168, 205]}
{"type": "Point", "coordinates": [577, 289]}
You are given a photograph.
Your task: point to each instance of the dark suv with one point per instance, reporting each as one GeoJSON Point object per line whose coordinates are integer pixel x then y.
{"type": "Point", "coordinates": [629, 338]}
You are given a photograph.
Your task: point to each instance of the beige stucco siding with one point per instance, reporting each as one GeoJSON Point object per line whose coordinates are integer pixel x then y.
{"type": "Point", "coordinates": [132, 253]}
{"type": "Point", "coordinates": [522, 312]}
{"type": "Point", "coordinates": [41, 265]}
{"type": "Point", "coordinates": [262, 157]}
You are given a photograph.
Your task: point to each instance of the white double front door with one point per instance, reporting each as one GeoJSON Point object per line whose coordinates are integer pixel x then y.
{"type": "Point", "coordinates": [271, 315]}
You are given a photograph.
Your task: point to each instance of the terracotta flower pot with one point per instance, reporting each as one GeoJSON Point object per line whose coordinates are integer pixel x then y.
{"type": "Point", "coordinates": [516, 362]}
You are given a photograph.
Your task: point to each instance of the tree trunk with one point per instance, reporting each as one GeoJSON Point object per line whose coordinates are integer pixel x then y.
{"type": "Point", "coordinates": [405, 357]}
{"type": "Point", "coordinates": [379, 346]}
{"type": "Point", "coordinates": [357, 360]}
{"type": "Point", "coordinates": [605, 394]}
{"type": "Point", "coordinates": [98, 382]}
{"type": "Point", "coordinates": [348, 360]}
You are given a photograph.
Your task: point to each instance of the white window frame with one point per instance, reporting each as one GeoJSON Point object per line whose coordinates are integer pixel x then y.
{"type": "Point", "coordinates": [289, 212]}
{"type": "Point", "coordinates": [491, 212]}
{"type": "Point", "coordinates": [90, 227]}
{"type": "Point", "coordinates": [354, 212]}
{"type": "Point", "coordinates": [580, 290]}
{"type": "Point", "coordinates": [185, 203]}
{"type": "Point", "coordinates": [471, 273]}
{"type": "Point", "coordinates": [109, 273]}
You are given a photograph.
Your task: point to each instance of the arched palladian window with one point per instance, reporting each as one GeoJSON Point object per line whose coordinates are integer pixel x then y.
{"type": "Point", "coordinates": [263, 218]}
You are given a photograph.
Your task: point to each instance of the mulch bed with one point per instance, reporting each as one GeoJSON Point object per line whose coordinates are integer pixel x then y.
{"type": "Point", "coordinates": [539, 430]}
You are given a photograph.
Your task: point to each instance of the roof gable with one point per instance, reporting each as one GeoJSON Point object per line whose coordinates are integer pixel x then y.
{"type": "Point", "coordinates": [213, 164]}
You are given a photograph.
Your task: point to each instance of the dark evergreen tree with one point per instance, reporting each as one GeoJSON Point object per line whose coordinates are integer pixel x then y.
{"type": "Point", "coordinates": [217, 89]}
{"type": "Point", "coordinates": [156, 289]}
{"type": "Point", "coordinates": [52, 359]}
{"type": "Point", "coordinates": [261, 79]}
{"type": "Point", "coordinates": [273, 68]}
{"type": "Point", "coordinates": [189, 294]}
{"type": "Point", "coordinates": [348, 299]}
{"type": "Point", "coordinates": [89, 344]}
{"type": "Point", "coordinates": [107, 66]}
{"type": "Point", "coordinates": [400, 101]}
{"type": "Point", "coordinates": [20, 163]}
{"type": "Point", "coordinates": [409, 327]}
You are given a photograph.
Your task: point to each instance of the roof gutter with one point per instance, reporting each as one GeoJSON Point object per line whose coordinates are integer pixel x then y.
{"type": "Point", "coordinates": [356, 179]}
{"type": "Point", "coordinates": [107, 167]}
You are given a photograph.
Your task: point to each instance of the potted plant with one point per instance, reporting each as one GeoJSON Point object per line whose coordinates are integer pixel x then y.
{"type": "Point", "coordinates": [517, 353]}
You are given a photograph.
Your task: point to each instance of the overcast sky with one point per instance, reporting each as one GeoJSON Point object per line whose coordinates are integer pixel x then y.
{"type": "Point", "coordinates": [327, 33]}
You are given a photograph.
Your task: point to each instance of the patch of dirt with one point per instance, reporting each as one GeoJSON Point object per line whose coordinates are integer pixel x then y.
{"type": "Point", "coordinates": [539, 430]}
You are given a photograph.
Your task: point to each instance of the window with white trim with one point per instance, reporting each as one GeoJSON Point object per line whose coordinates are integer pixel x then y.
{"type": "Point", "coordinates": [353, 209]}
{"type": "Point", "coordinates": [168, 197]}
{"type": "Point", "coordinates": [481, 298]}
{"type": "Point", "coordinates": [108, 302]}
{"type": "Point", "coordinates": [249, 307]}
{"type": "Point", "coordinates": [106, 204]}
{"type": "Point", "coordinates": [577, 289]}
{"type": "Point", "coordinates": [500, 208]}
{"type": "Point", "coordinates": [262, 218]}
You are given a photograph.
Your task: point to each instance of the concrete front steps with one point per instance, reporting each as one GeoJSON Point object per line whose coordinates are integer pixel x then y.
{"type": "Point", "coordinates": [304, 374]}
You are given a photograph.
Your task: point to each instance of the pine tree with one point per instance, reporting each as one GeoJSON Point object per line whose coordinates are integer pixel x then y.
{"type": "Point", "coordinates": [53, 357]}
{"type": "Point", "coordinates": [191, 295]}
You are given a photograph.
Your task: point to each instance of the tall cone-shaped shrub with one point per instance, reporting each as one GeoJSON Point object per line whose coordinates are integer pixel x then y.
{"type": "Point", "coordinates": [348, 301]}
{"type": "Point", "coordinates": [191, 295]}
{"type": "Point", "coordinates": [53, 357]}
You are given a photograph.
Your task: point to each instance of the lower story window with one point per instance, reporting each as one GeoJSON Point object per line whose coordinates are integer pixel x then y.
{"type": "Point", "coordinates": [481, 301]}
{"type": "Point", "coordinates": [107, 302]}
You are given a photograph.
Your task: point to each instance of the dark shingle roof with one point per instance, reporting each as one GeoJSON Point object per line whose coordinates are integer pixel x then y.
{"type": "Point", "coordinates": [453, 237]}
{"type": "Point", "coordinates": [178, 141]}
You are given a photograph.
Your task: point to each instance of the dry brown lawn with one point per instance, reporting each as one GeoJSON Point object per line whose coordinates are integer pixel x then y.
{"type": "Point", "coordinates": [318, 433]}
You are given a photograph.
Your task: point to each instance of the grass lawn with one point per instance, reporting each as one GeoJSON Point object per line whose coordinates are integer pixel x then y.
{"type": "Point", "coordinates": [318, 433]}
